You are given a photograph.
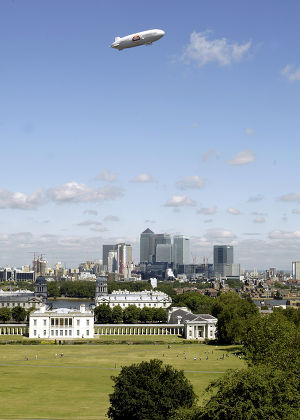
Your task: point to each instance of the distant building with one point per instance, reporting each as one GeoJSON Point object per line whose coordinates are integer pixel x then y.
{"type": "Point", "coordinates": [14, 274]}
{"type": "Point", "coordinates": [61, 323]}
{"type": "Point", "coordinates": [147, 246]}
{"type": "Point", "coordinates": [223, 260]}
{"type": "Point", "coordinates": [164, 253]}
{"type": "Point", "coordinates": [296, 270]}
{"type": "Point", "coordinates": [105, 251]}
{"type": "Point", "coordinates": [163, 239]}
{"type": "Point", "coordinates": [181, 250]}
{"type": "Point", "coordinates": [25, 298]}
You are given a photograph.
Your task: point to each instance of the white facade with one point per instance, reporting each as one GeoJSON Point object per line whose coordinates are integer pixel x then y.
{"type": "Point", "coordinates": [61, 323]}
{"type": "Point", "coordinates": [196, 326]}
{"type": "Point", "coordinates": [146, 298]}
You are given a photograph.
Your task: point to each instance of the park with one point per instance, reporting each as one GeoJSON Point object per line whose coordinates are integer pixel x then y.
{"type": "Point", "coordinates": [74, 381]}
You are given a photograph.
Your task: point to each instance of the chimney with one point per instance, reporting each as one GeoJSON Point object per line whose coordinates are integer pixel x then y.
{"type": "Point", "coordinates": [82, 308]}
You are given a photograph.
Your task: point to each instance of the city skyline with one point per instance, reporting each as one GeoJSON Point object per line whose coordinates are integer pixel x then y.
{"type": "Point", "coordinates": [196, 135]}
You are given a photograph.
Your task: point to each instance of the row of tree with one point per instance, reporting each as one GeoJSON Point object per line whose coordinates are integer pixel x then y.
{"type": "Point", "coordinates": [130, 315]}
{"type": "Point", "coordinates": [17, 314]}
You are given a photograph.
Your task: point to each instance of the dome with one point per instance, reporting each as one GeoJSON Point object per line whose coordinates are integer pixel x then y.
{"type": "Point", "coordinates": [41, 280]}
{"type": "Point", "coordinates": [101, 279]}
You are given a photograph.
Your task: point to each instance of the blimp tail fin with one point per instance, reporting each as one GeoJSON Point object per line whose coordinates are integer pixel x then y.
{"type": "Point", "coordinates": [117, 38]}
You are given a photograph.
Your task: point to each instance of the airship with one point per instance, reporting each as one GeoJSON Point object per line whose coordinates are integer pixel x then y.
{"type": "Point", "coordinates": [139, 38]}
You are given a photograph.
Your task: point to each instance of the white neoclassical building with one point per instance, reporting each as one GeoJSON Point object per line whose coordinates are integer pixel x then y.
{"type": "Point", "coordinates": [61, 323]}
{"type": "Point", "coordinates": [196, 326]}
{"type": "Point", "coordinates": [146, 298]}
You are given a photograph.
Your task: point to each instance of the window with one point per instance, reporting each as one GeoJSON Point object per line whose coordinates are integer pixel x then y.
{"type": "Point", "coordinates": [78, 332]}
{"type": "Point", "coordinates": [52, 332]}
{"type": "Point", "coordinates": [70, 322]}
{"type": "Point", "coordinates": [61, 322]}
{"type": "Point", "coordinates": [70, 332]}
{"type": "Point", "coordinates": [66, 332]}
{"type": "Point", "coordinates": [56, 321]}
{"type": "Point", "coordinates": [34, 332]}
{"type": "Point", "coordinates": [34, 322]}
{"type": "Point", "coordinates": [45, 332]}
{"type": "Point", "coordinates": [87, 322]}
{"type": "Point", "coordinates": [45, 322]}
{"type": "Point", "coordinates": [61, 332]}
{"type": "Point", "coordinates": [78, 321]}
{"type": "Point", "coordinates": [87, 332]}
{"type": "Point", "coordinates": [52, 321]}
{"type": "Point", "coordinates": [66, 322]}
{"type": "Point", "coordinates": [56, 332]}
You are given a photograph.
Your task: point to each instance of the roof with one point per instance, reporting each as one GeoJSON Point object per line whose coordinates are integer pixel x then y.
{"type": "Point", "coordinates": [187, 316]}
{"type": "Point", "coordinates": [147, 231]}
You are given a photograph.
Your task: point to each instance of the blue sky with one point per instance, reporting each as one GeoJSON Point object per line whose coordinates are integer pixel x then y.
{"type": "Point", "coordinates": [197, 134]}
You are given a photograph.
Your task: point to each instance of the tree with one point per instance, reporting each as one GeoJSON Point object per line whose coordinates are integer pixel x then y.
{"type": "Point", "coordinates": [5, 314]}
{"type": "Point", "coordinates": [252, 394]}
{"type": "Point", "coordinates": [160, 315]}
{"type": "Point", "coordinates": [195, 301]}
{"type": "Point", "coordinates": [234, 314]}
{"type": "Point", "coordinates": [146, 315]}
{"type": "Point", "coordinates": [117, 314]}
{"type": "Point", "coordinates": [273, 340]}
{"type": "Point", "coordinates": [149, 391]}
{"type": "Point", "coordinates": [53, 289]}
{"type": "Point", "coordinates": [18, 313]}
{"type": "Point", "coordinates": [131, 314]}
{"type": "Point", "coordinates": [103, 314]}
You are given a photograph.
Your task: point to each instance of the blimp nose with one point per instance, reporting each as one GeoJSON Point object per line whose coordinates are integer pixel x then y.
{"type": "Point", "coordinates": [161, 32]}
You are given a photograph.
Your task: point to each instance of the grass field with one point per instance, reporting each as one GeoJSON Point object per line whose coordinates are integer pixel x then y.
{"type": "Point", "coordinates": [76, 386]}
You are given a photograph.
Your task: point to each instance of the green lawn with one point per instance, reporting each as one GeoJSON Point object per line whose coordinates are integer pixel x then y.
{"type": "Point", "coordinates": [77, 385]}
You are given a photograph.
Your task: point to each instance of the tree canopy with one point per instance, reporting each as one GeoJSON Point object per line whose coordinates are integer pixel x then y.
{"type": "Point", "coordinates": [149, 391]}
{"type": "Point", "coordinates": [252, 394]}
{"type": "Point", "coordinates": [195, 301]}
{"type": "Point", "coordinates": [234, 314]}
{"type": "Point", "coordinates": [5, 314]}
{"type": "Point", "coordinates": [19, 314]}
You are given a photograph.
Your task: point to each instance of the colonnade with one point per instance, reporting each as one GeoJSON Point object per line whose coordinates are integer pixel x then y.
{"type": "Point", "coordinates": [138, 329]}
{"type": "Point", "coordinates": [13, 329]}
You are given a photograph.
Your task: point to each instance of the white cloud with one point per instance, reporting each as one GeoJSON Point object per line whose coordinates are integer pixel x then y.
{"type": "Point", "coordinates": [203, 50]}
{"type": "Point", "coordinates": [296, 211]}
{"type": "Point", "coordinates": [259, 219]}
{"type": "Point", "coordinates": [143, 178]}
{"type": "Point", "coordinates": [190, 182]}
{"type": "Point", "coordinates": [279, 234]}
{"type": "Point", "coordinates": [98, 229]}
{"type": "Point", "coordinates": [290, 197]}
{"type": "Point", "coordinates": [89, 223]}
{"type": "Point", "coordinates": [242, 158]}
{"type": "Point", "coordinates": [107, 176]}
{"type": "Point", "coordinates": [179, 201]}
{"type": "Point", "coordinates": [74, 192]}
{"type": "Point", "coordinates": [111, 218]}
{"type": "Point", "coordinates": [91, 212]}
{"type": "Point", "coordinates": [255, 198]}
{"type": "Point", "coordinates": [219, 234]}
{"type": "Point", "coordinates": [19, 200]}
{"type": "Point", "coordinates": [249, 131]}
{"type": "Point", "coordinates": [207, 210]}
{"type": "Point", "coordinates": [209, 154]}
{"type": "Point", "coordinates": [291, 72]}
{"type": "Point", "coordinates": [233, 211]}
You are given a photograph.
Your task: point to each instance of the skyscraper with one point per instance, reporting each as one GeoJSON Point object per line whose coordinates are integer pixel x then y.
{"type": "Point", "coordinates": [164, 253]}
{"type": "Point", "coordinates": [181, 250]}
{"type": "Point", "coordinates": [105, 251]}
{"type": "Point", "coordinates": [223, 260]}
{"type": "Point", "coordinates": [147, 249]}
{"type": "Point", "coordinates": [163, 239]}
{"type": "Point", "coordinates": [296, 270]}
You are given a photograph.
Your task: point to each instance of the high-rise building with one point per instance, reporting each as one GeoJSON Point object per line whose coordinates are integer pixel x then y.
{"type": "Point", "coordinates": [223, 260]}
{"type": "Point", "coordinates": [163, 239]}
{"type": "Point", "coordinates": [164, 253]}
{"type": "Point", "coordinates": [296, 270]}
{"type": "Point", "coordinates": [147, 246]}
{"type": "Point", "coordinates": [124, 259]}
{"type": "Point", "coordinates": [105, 250]}
{"type": "Point", "coordinates": [181, 250]}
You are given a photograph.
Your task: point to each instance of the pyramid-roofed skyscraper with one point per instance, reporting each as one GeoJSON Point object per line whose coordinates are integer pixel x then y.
{"type": "Point", "coordinates": [147, 246]}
